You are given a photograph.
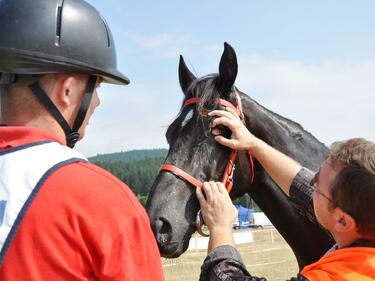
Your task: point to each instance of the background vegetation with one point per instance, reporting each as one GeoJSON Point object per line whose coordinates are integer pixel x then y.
{"type": "Point", "coordinates": [138, 169]}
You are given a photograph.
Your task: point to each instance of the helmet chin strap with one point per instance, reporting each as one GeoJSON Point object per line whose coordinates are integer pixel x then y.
{"type": "Point", "coordinates": [72, 135]}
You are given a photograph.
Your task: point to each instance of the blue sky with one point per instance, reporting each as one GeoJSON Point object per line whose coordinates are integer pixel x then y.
{"type": "Point", "coordinates": [311, 61]}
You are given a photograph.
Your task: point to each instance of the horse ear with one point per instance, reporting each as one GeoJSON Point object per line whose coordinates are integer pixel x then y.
{"type": "Point", "coordinates": [185, 76]}
{"type": "Point", "coordinates": [228, 68]}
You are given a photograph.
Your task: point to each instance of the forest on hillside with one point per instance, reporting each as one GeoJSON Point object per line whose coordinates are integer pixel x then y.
{"type": "Point", "coordinates": [138, 169]}
{"type": "Point", "coordinates": [129, 156]}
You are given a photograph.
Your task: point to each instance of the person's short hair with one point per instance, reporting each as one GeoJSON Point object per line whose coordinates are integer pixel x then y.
{"type": "Point", "coordinates": [17, 98]}
{"type": "Point", "coordinates": [356, 151]}
{"type": "Point", "coordinates": [353, 189]}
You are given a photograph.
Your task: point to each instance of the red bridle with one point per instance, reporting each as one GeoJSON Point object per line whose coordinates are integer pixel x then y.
{"type": "Point", "coordinates": [229, 170]}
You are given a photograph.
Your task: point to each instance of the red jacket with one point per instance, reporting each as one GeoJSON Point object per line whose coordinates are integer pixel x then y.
{"type": "Point", "coordinates": [84, 224]}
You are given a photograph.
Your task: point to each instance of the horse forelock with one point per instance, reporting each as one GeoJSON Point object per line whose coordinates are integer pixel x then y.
{"type": "Point", "coordinates": [207, 90]}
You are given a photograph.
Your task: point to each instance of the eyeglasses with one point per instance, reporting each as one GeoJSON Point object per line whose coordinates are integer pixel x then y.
{"type": "Point", "coordinates": [317, 191]}
{"type": "Point", "coordinates": [314, 180]}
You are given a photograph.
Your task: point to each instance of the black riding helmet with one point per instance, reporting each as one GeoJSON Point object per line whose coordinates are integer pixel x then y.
{"type": "Point", "coordinates": [56, 36]}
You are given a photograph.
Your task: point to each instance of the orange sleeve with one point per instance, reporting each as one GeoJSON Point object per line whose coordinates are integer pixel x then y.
{"type": "Point", "coordinates": [346, 264]}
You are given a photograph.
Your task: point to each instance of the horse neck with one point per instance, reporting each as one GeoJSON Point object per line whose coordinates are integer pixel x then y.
{"type": "Point", "coordinates": [291, 139]}
{"type": "Point", "coordinates": [283, 134]}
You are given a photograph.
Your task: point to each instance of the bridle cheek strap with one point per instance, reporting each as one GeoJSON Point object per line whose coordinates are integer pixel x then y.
{"type": "Point", "coordinates": [229, 170]}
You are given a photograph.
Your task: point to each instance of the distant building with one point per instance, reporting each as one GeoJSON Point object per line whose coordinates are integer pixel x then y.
{"type": "Point", "coordinates": [249, 218]}
{"type": "Point", "coordinates": [245, 217]}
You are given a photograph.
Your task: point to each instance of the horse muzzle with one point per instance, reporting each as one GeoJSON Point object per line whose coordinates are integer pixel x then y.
{"type": "Point", "coordinates": [163, 233]}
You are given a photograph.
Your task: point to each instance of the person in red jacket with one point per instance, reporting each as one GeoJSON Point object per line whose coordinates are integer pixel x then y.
{"type": "Point", "coordinates": [340, 196]}
{"type": "Point", "coordinates": [61, 217]}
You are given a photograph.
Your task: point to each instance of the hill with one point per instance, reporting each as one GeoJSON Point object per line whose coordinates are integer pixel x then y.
{"type": "Point", "coordinates": [129, 156]}
{"type": "Point", "coordinates": [136, 168]}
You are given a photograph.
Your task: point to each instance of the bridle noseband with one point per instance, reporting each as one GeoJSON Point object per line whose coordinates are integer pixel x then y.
{"type": "Point", "coordinates": [227, 179]}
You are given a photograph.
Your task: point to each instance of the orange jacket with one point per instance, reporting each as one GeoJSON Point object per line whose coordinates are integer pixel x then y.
{"type": "Point", "coordinates": [347, 264]}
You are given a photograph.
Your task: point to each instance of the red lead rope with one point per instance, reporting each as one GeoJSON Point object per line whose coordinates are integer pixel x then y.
{"type": "Point", "coordinates": [229, 170]}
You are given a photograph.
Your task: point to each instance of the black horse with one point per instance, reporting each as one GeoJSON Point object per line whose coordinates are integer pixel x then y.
{"type": "Point", "coordinates": [172, 205]}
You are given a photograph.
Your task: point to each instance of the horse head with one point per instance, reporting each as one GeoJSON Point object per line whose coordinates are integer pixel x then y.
{"type": "Point", "coordinates": [172, 204]}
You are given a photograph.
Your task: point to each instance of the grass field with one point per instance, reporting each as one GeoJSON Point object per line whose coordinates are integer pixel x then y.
{"type": "Point", "coordinates": [268, 256]}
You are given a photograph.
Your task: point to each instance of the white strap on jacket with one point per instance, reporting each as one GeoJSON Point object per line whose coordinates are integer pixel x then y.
{"type": "Point", "coordinates": [23, 171]}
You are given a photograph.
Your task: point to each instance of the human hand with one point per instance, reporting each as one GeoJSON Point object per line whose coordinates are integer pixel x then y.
{"type": "Point", "coordinates": [241, 138]}
{"type": "Point", "coordinates": [217, 209]}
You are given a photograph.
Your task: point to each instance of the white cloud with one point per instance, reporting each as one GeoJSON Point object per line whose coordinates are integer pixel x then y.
{"type": "Point", "coordinates": [167, 45]}
{"type": "Point", "coordinates": [333, 100]}
{"type": "Point", "coordinates": [162, 45]}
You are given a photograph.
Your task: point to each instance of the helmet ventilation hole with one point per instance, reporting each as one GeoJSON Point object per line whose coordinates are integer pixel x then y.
{"type": "Point", "coordinates": [58, 22]}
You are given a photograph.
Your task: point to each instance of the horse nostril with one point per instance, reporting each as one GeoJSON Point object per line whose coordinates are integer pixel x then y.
{"type": "Point", "coordinates": [162, 229]}
{"type": "Point", "coordinates": [158, 225]}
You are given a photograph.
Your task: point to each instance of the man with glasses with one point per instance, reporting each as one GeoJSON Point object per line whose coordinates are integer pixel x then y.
{"type": "Point", "coordinates": [340, 196]}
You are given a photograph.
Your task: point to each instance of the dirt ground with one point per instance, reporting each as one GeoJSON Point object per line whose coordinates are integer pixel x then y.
{"type": "Point", "coordinates": [268, 256]}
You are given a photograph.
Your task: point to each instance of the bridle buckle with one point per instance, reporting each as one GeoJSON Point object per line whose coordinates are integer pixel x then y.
{"type": "Point", "coordinates": [230, 178]}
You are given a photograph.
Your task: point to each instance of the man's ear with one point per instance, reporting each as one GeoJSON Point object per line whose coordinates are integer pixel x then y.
{"type": "Point", "coordinates": [65, 90]}
{"type": "Point", "coordinates": [343, 221]}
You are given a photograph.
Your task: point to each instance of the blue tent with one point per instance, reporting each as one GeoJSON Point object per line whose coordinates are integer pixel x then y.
{"type": "Point", "coordinates": [245, 217]}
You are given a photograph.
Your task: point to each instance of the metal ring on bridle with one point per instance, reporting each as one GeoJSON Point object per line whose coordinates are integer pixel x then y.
{"type": "Point", "coordinates": [199, 222]}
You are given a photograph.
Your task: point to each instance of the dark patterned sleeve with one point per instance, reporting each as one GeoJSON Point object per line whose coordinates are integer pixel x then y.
{"type": "Point", "coordinates": [224, 263]}
{"type": "Point", "coordinates": [301, 194]}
